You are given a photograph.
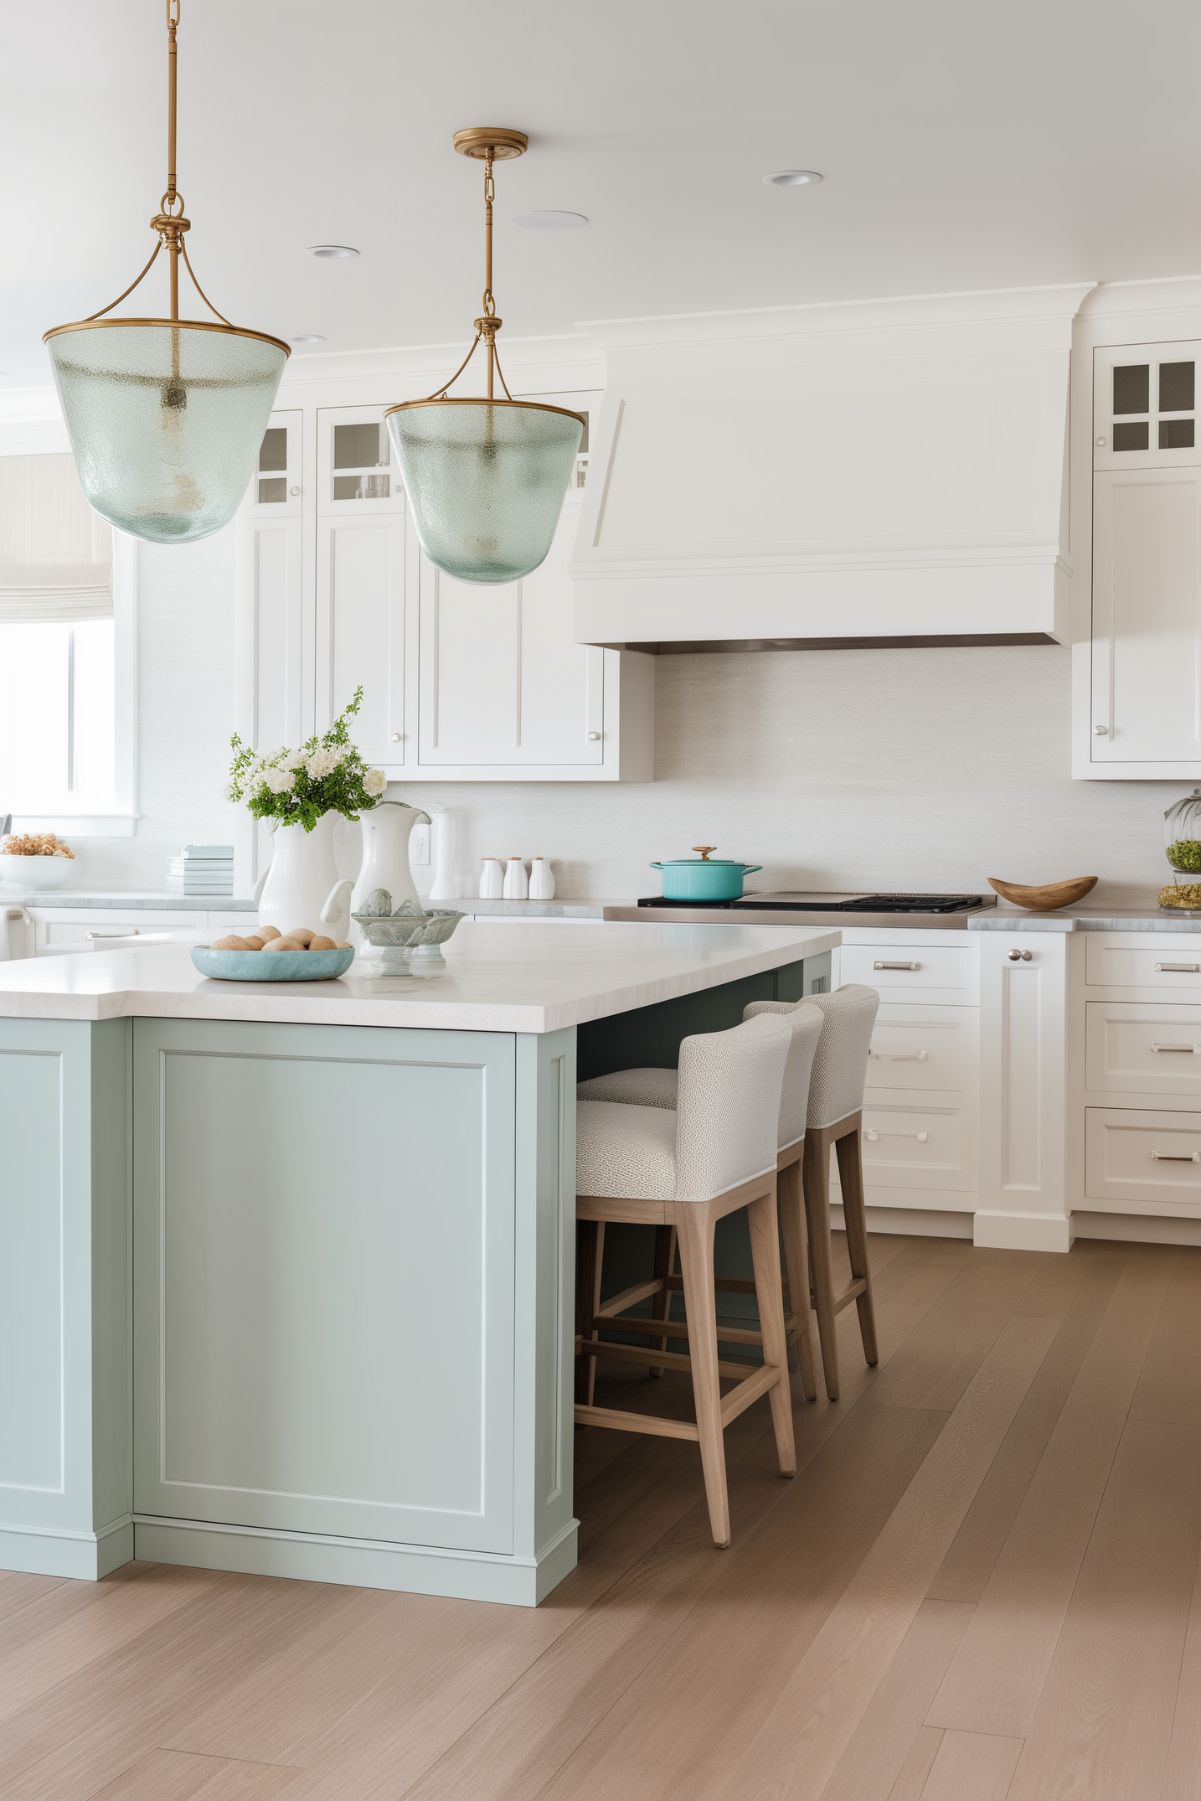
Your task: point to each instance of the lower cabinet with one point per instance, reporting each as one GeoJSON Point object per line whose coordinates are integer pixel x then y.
{"type": "Point", "coordinates": [1025, 1194]}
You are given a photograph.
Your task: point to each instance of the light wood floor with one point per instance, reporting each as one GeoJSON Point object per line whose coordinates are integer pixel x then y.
{"type": "Point", "coordinates": [983, 1583]}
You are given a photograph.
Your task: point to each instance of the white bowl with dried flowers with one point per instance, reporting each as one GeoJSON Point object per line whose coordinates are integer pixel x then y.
{"type": "Point", "coordinates": [34, 860]}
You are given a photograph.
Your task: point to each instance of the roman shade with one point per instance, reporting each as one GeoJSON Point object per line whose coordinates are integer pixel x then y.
{"type": "Point", "coordinates": [56, 554]}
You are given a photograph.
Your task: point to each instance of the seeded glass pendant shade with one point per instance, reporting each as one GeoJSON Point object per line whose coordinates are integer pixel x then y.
{"type": "Point", "coordinates": [485, 478]}
{"type": "Point", "coordinates": [165, 416]}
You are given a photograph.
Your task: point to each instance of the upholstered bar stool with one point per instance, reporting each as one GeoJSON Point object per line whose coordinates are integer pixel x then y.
{"type": "Point", "coordinates": [658, 1088]}
{"type": "Point", "coordinates": [686, 1168]}
{"type": "Point", "coordinates": [835, 1123]}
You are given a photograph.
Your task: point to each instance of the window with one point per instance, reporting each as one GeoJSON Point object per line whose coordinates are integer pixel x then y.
{"type": "Point", "coordinates": [66, 655]}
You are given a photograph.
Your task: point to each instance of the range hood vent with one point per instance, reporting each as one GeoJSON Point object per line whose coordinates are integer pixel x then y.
{"type": "Point", "coordinates": [888, 473]}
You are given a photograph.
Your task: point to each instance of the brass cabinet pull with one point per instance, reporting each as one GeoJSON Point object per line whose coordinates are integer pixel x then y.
{"type": "Point", "coordinates": [1176, 1156]}
{"type": "Point", "coordinates": [896, 965]}
{"type": "Point", "coordinates": [1178, 969]}
{"type": "Point", "coordinates": [873, 1133]}
{"type": "Point", "coordinates": [899, 1056]}
{"type": "Point", "coordinates": [1188, 1050]}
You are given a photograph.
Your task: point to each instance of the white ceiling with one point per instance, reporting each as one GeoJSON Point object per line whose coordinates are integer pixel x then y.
{"type": "Point", "coordinates": [965, 145]}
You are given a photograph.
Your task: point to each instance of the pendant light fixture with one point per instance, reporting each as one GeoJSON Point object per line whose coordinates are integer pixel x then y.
{"type": "Point", "coordinates": [485, 477]}
{"type": "Point", "coordinates": [165, 416]}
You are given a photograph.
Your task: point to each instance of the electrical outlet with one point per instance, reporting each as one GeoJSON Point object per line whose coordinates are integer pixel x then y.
{"type": "Point", "coordinates": [419, 846]}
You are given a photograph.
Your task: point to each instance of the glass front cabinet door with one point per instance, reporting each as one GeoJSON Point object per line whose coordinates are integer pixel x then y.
{"type": "Point", "coordinates": [356, 473]}
{"type": "Point", "coordinates": [1145, 406]}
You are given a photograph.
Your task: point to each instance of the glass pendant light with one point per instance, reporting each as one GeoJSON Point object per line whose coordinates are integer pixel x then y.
{"type": "Point", "coordinates": [485, 477]}
{"type": "Point", "coordinates": [165, 416]}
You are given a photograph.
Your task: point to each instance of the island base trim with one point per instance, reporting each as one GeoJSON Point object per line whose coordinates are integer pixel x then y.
{"type": "Point", "coordinates": [359, 1563]}
{"type": "Point", "coordinates": [1006, 1231]}
{"type": "Point", "coordinates": [81, 1556]}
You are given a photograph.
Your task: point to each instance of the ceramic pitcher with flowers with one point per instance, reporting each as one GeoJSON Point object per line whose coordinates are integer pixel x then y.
{"type": "Point", "coordinates": [302, 793]}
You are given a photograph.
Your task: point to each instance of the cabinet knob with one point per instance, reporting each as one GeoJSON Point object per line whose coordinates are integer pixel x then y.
{"type": "Point", "coordinates": [1016, 956]}
{"type": "Point", "coordinates": [1100, 731]}
{"type": "Point", "coordinates": [294, 491]}
{"type": "Point", "coordinates": [594, 737]}
{"type": "Point", "coordinates": [397, 737]}
{"type": "Point", "coordinates": [1102, 442]}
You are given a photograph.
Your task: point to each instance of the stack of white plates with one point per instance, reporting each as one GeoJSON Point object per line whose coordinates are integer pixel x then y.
{"type": "Point", "coordinates": [202, 869]}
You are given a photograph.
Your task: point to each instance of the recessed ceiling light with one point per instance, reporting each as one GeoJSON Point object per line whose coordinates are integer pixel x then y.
{"type": "Point", "coordinates": [308, 337]}
{"type": "Point", "coordinates": [332, 250]}
{"type": "Point", "coordinates": [792, 178]}
{"type": "Point", "coordinates": [549, 218]}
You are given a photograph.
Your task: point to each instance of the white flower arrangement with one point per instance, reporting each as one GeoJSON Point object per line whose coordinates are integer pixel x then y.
{"type": "Point", "coordinates": [327, 774]}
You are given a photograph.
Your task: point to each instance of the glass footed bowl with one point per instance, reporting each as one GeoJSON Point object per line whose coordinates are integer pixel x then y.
{"type": "Point", "coordinates": [398, 936]}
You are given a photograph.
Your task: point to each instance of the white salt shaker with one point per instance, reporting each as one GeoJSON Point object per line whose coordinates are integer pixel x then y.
{"type": "Point", "coordinates": [491, 879]}
{"type": "Point", "coordinates": [542, 880]}
{"type": "Point", "coordinates": [517, 882]}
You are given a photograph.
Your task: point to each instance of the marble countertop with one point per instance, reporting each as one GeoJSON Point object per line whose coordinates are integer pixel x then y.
{"type": "Point", "coordinates": [1083, 919]}
{"type": "Point", "coordinates": [494, 980]}
{"type": "Point", "coordinates": [127, 900]}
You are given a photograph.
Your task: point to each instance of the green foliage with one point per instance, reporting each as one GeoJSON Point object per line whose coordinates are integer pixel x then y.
{"type": "Point", "coordinates": [326, 774]}
{"type": "Point", "coordinates": [1186, 854]}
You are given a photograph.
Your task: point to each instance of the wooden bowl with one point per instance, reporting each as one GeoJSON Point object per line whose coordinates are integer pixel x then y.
{"type": "Point", "coordinates": [1047, 898]}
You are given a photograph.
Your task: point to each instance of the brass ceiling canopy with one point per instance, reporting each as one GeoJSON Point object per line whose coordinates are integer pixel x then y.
{"type": "Point", "coordinates": [166, 415]}
{"type": "Point", "coordinates": [485, 476]}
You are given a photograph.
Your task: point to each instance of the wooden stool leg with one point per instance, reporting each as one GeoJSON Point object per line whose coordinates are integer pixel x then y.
{"type": "Point", "coordinates": [696, 1225]}
{"type": "Point", "coordinates": [849, 1150]}
{"type": "Point", "coordinates": [796, 1268]}
{"type": "Point", "coordinates": [665, 1256]}
{"type": "Point", "coordinates": [765, 1260]}
{"type": "Point", "coordinates": [588, 1252]}
{"type": "Point", "coordinates": [817, 1215]}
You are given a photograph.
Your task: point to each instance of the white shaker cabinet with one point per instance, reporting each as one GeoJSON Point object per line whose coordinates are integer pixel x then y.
{"type": "Point", "coordinates": [1025, 1200]}
{"type": "Point", "coordinates": [462, 682]}
{"type": "Point", "coordinates": [504, 689]}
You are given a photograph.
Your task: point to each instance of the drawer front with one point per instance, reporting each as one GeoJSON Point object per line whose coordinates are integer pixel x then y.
{"type": "Point", "coordinates": [1169, 962]}
{"type": "Point", "coordinates": [1143, 1162]}
{"type": "Point", "coordinates": [901, 970]}
{"type": "Point", "coordinates": [919, 1147]}
{"type": "Point", "coordinates": [923, 1048]}
{"type": "Point", "coordinates": [57, 932]}
{"type": "Point", "coordinates": [1143, 1049]}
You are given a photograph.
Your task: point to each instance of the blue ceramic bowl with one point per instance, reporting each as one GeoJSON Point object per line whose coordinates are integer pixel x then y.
{"type": "Point", "coordinates": [271, 966]}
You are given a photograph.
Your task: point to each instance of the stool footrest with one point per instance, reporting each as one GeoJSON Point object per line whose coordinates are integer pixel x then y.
{"type": "Point", "coordinates": [748, 1392]}
{"type": "Point", "coordinates": [849, 1294]}
{"type": "Point", "coordinates": [654, 1423]}
{"type": "Point", "coordinates": [635, 1353]}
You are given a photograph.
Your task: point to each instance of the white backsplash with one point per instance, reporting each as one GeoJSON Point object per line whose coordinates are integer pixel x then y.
{"type": "Point", "coordinates": [924, 768]}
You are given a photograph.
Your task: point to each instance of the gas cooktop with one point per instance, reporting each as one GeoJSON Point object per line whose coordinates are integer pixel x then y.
{"type": "Point", "coordinates": [790, 901]}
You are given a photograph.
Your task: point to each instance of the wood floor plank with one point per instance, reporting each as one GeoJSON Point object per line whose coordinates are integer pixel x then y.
{"type": "Point", "coordinates": [179, 1776]}
{"type": "Point", "coordinates": [1169, 1388]}
{"type": "Point", "coordinates": [917, 1766]}
{"type": "Point", "coordinates": [1102, 1724]}
{"type": "Point", "coordinates": [973, 1554]}
{"type": "Point", "coordinates": [972, 1767]}
{"type": "Point", "coordinates": [1182, 1769]}
{"type": "Point", "coordinates": [945, 1353]}
{"type": "Point", "coordinates": [876, 1757]}
{"type": "Point", "coordinates": [18, 1590]}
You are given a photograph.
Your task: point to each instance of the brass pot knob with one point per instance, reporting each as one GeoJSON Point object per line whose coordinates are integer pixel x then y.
{"type": "Point", "coordinates": [705, 851]}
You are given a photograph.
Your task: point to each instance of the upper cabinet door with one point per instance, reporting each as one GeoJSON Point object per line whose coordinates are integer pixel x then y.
{"type": "Point", "coordinates": [1146, 647]}
{"type": "Point", "coordinates": [275, 490]}
{"type": "Point", "coordinates": [1145, 406]}
{"type": "Point", "coordinates": [356, 473]}
{"type": "Point", "coordinates": [502, 680]}
{"type": "Point", "coordinates": [361, 630]}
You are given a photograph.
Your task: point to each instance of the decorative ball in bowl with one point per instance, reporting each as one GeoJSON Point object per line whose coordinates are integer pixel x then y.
{"type": "Point", "coordinates": [269, 955]}
{"type": "Point", "coordinates": [1047, 898]}
{"type": "Point", "coordinates": [407, 940]}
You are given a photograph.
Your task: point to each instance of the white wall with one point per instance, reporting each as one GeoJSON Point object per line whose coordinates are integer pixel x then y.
{"type": "Point", "coordinates": [921, 768]}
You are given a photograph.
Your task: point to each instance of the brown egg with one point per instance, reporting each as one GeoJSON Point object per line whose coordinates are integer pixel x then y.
{"type": "Point", "coordinates": [266, 932]}
{"type": "Point", "coordinates": [318, 943]}
{"type": "Point", "coordinates": [283, 944]}
{"type": "Point", "coordinates": [254, 942]}
{"type": "Point", "coordinates": [231, 942]}
{"type": "Point", "coordinates": [343, 944]}
{"type": "Point", "coordinates": [300, 935]}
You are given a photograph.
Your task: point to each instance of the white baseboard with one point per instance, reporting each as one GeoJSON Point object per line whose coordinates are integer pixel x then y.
{"type": "Point", "coordinates": [915, 1222]}
{"type": "Point", "coordinates": [83, 1556]}
{"type": "Point", "coordinates": [1137, 1228]}
{"type": "Point", "coordinates": [1005, 1231]}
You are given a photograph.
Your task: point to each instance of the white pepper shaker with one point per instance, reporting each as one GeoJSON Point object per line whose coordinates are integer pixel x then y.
{"type": "Point", "coordinates": [542, 879]}
{"type": "Point", "coordinates": [491, 878]}
{"type": "Point", "coordinates": [517, 882]}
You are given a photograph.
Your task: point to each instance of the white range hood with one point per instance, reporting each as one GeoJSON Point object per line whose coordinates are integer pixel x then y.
{"type": "Point", "coordinates": [883, 473]}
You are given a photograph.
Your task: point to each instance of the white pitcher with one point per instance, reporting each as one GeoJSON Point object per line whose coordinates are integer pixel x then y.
{"type": "Point", "coordinates": [300, 886]}
{"type": "Point", "coordinates": [386, 832]}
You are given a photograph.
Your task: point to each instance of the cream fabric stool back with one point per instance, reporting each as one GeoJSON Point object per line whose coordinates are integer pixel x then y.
{"type": "Point", "coordinates": [687, 1167]}
{"type": "Point", "coordinates": [836, 1124]}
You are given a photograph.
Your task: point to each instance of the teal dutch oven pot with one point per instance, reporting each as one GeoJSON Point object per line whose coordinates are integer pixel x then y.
{"type": "Point", "coordinates": [704, 878]}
